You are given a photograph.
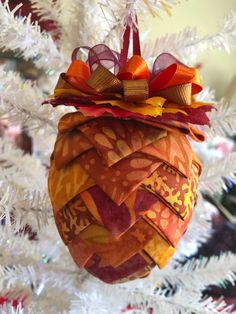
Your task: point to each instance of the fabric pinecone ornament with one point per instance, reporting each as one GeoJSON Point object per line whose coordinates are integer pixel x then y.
{"type": "Point", "coordinates": [123, 177]}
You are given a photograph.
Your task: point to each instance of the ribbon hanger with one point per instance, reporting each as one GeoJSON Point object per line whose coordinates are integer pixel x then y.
{"type": "Point", "coordinates": [130, 26]}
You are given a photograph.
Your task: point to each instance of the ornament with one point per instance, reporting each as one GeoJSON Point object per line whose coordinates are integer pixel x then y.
{"type": "Point", "coordinates": [123, 176]}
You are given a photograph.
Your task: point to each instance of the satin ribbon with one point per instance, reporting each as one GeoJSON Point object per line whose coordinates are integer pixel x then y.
{"type": "Point", "coordinates": [176, 83]}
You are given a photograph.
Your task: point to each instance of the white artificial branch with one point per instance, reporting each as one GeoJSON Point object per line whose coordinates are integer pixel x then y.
{"type": "Point", "coordinates": [157, 301]}
{"type": "Point", "coordinates": [202, 272]}
{"type": "Point", "coordinates": [223, 119]}
{"type": "Point", "coordinates": [115, 13]}
{"type": "Point", "coordinates": [207, 95]}
{"type": "Point", "coordinates": [80, 25]}
{"type": "Point", "coordinates": [47, 9]}
{"type": "Point", "coordinates": [42, 267]}
{"type": "Point", "coordinates": [8, 308]}
{"type": "Point", "coordinates": [39, 278]}
{"type": "Point", "coordinates": [16, 168]}
{"type": "Point", "coordinates": [22, 36]}
{"type": "Point", "coordinates": [21, 102]}
{"type": "Point", "coordinates": [215, 173]}
{"type": "Point", "coordinates": [186, 45]}
{"type": "Point", "coordinates": [24, 197]}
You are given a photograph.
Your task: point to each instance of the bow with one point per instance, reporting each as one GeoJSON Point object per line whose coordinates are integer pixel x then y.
{"type": "Point", "coordinates": [110, 83]}
{"type": "Point", "coordinates": [133, 88]}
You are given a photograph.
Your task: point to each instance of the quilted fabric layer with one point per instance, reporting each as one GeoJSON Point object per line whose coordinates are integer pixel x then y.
{"type": "Point", "coordinates": [123, 193]}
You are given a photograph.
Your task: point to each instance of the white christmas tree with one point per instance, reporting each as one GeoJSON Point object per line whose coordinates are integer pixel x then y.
{"type": "Point", "coordinates": [39, 272]}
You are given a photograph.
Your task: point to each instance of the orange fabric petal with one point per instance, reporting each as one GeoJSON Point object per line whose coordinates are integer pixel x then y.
{"type": "Point", "coordinates": [115, 139]}
{"type": "Point", "coordinates": [167, 223]}
{"type": "Point", "coordinates": [120, 180]}
{"type": "Point", "coordinates": [71, 120]}
{"type": "Point", "coordinates": [173, 149]}
{"type": "Point", "coordinates": [69, 146]}
{"type": "Point", "coordinates": [66, 183]}
{"type": "Point", "coordinates": [177, 192]}
{"type": "Point", "coordinates": [72, 219]}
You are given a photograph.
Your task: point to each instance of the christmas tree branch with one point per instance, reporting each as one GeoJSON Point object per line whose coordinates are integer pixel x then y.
{"type": "Point", "coordinates": [78, 20]}
{"type": "Point", "coordinates": [25, 38]}
{"type": "Point", "coordinates": [158, 301]}
{"type": "Point", "coordinates": [8, 308]}
{"type": "Point", "coordinates": [186, 45]}
{"type": "Point", "coordinates": [24, 199]}
{"type": "Point", "coordinates": [215, 173]}
{"type": "Point", "coordinates": [115, 13]}
{"type": "Point", "coordinates": [223, 119]}
{"type": "Point", "coordinates": [47, 9]}
{"type": "Point", "coordinates": [21, 103]}
{"type": "Point", "coordinates": [197, 274]}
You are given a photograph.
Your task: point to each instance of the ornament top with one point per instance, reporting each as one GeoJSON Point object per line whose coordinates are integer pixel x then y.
{"type": "Point", "coordinates": [112, 84]}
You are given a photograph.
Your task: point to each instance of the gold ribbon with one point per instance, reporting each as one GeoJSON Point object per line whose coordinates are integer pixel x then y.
{"type": "Point", "coordinates": [103, 81]}
{"type": "Point", "coordinates": [135, 90]}
{"type": "Point", "coordinates": [180, 94]}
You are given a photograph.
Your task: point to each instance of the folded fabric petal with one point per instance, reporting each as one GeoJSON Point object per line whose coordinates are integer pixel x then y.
{"type": "Point", "coordinates": [71, 120]}
{"type": "Point", "coordinates": [120, 180]}
{"type": "Point", "coordinates": [115, 139]}
{"type": "Point", "coordinates": [137, 266]}
{"type": "Point", "coordinates": [69, 146]}
{"type": "Point", "coordinates": [117, 219]}
{"type": "Point", "coordinates": [73, 177]}
{"type": "Point", "coordinates": [174, 149]}
{"type": "Point", "coordinates": [72, 219]}
{"type": "Point", "coordinates": [168, 224]}
{"type": "Point", "coordinates": [177, 192]}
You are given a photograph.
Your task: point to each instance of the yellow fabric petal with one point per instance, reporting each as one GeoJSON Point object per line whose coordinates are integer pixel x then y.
{"type": "Point", "coordinates": [174, 110]}
{"type": "Point", "coordinates": [159, 250]}
{"type": "Point", "coordinates": [66, 183]}
{"type": "Point", "coordinates": [143, 108]}
{"type": "Point", "coordinates": [155, 101]}
{"type": "Point", "coordinates": [198, 104]}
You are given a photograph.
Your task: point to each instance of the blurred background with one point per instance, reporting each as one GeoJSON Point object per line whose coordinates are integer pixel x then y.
{"type": "Point", "coordinates": [218, 67]}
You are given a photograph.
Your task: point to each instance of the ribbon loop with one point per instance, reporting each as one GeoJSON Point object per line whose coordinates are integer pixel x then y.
{"type": "Point", "coordinates": [102, 80]}
{"type": "Point", "coordinates": [79, 69]}
{"type": "Point", "coordinates": [135, 69]}
{"type": "Point", "coordinates": [180, 94]}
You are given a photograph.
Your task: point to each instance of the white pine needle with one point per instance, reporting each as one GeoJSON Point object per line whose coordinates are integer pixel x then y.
{"type": "Point", "coordinates": [21, 103]}
{"type": "Point", "coordinates": [223, 119]}
{"type": "Point", "coordinates": [214, 174]}
{"type": "Point", "coordinates": [21, 36]}
{"type": "Point", "coordinates": [47, 9]}
{"type": "Point", "coordinates": [186, 45]}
